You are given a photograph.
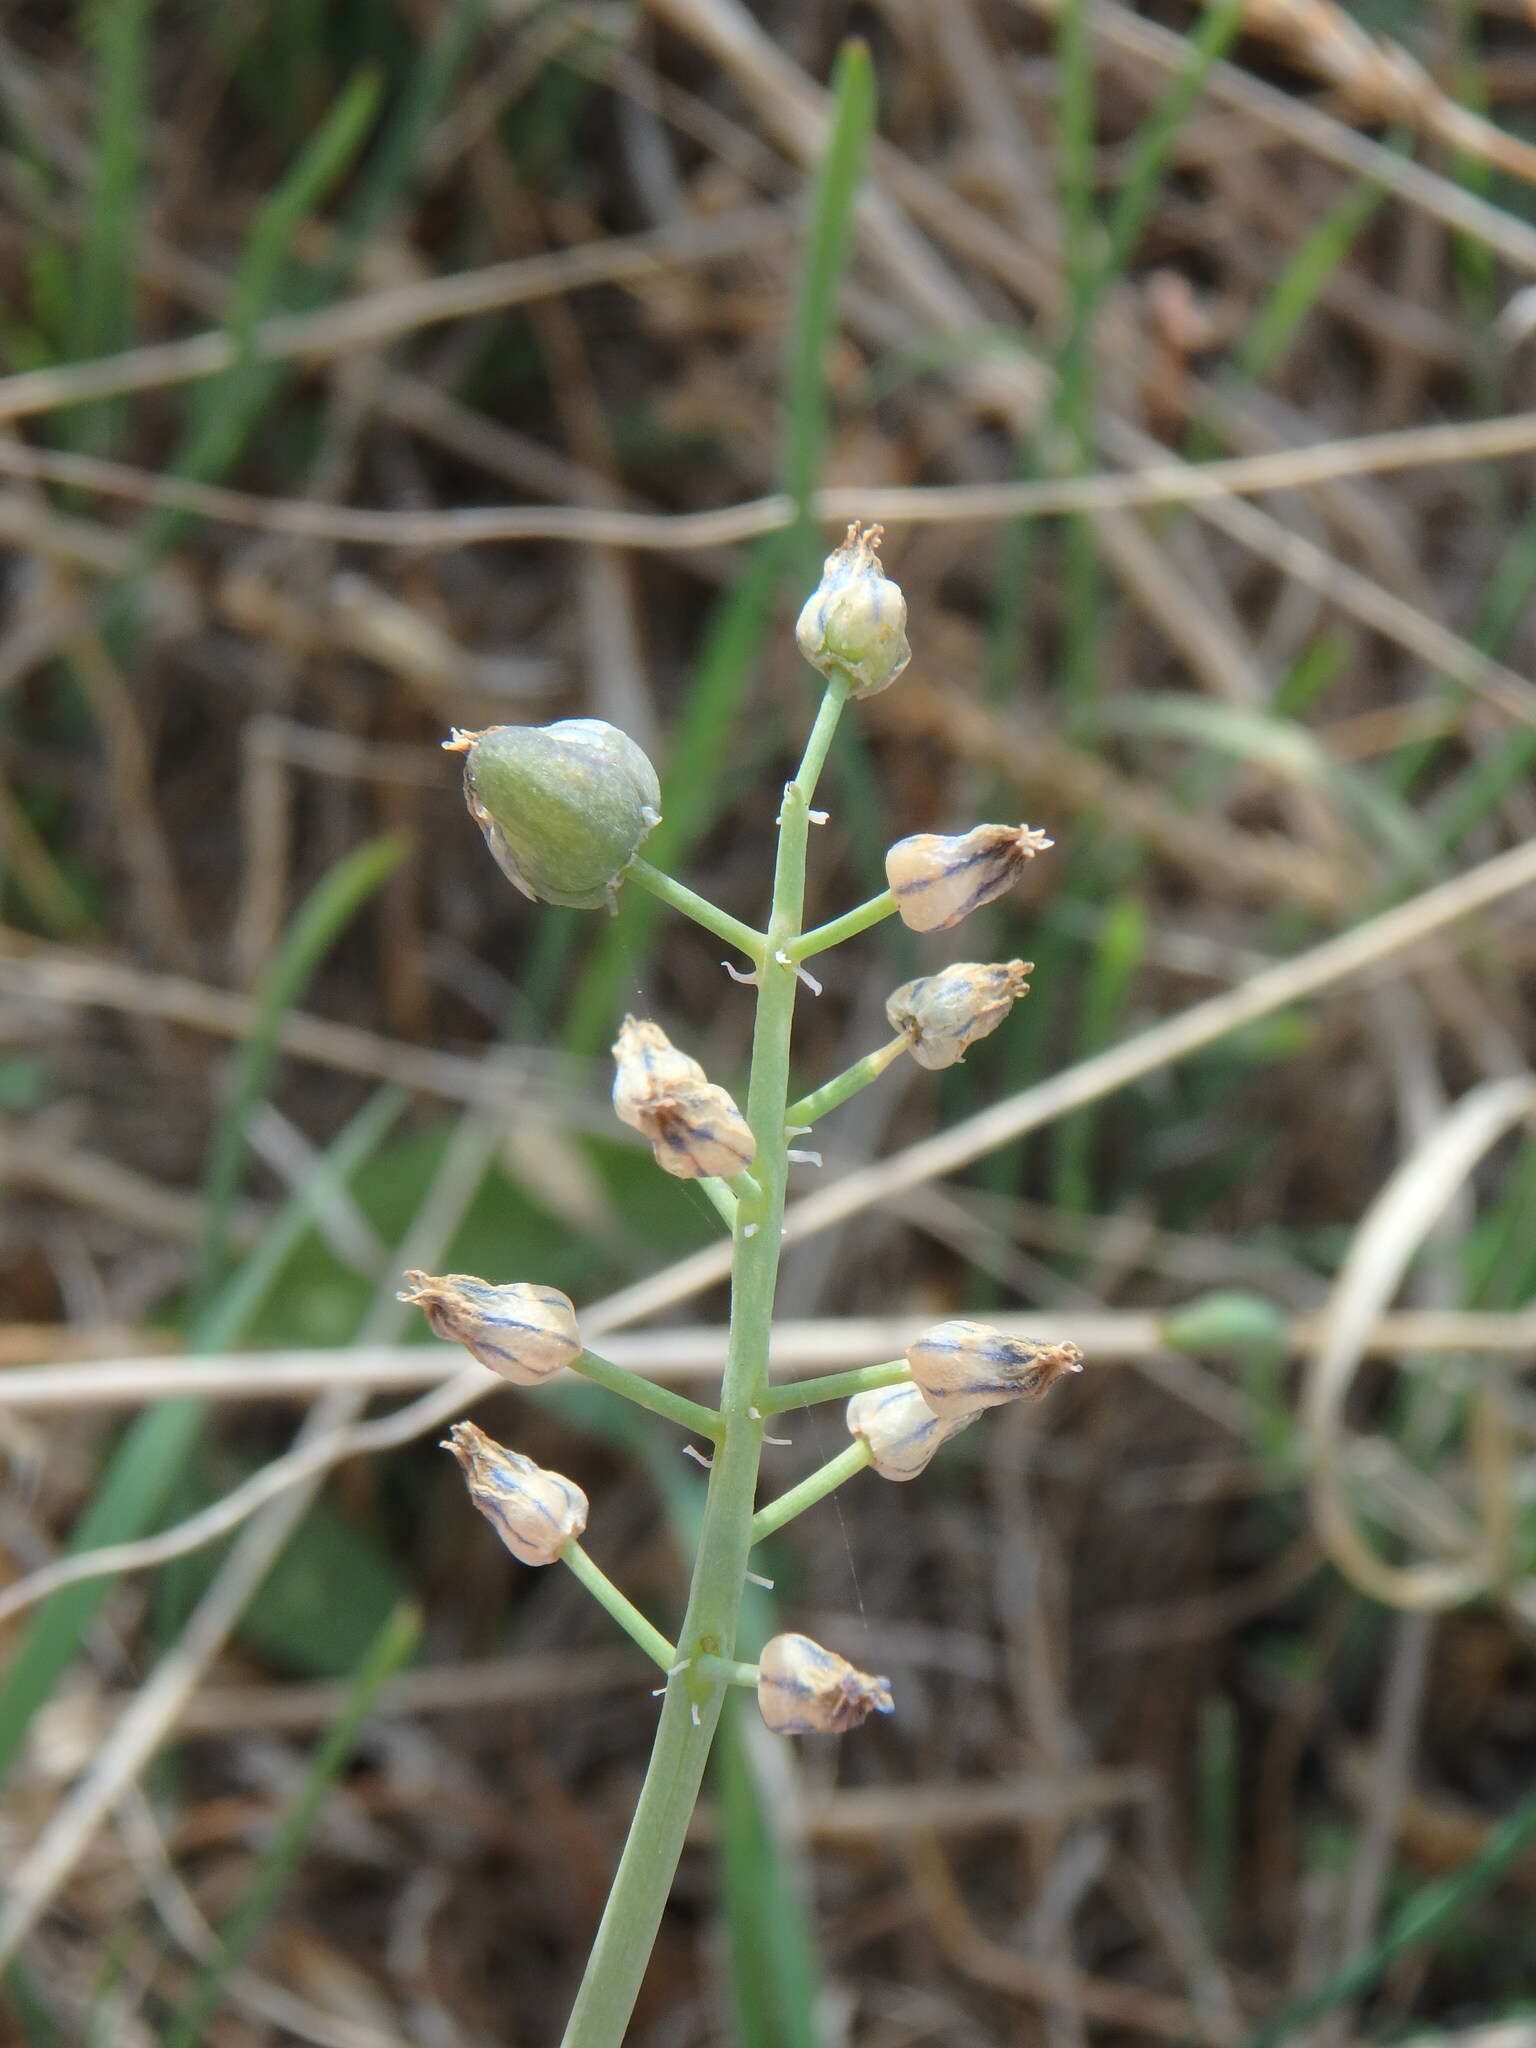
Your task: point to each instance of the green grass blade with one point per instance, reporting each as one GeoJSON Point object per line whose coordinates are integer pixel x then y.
{"type": "Point", "coordinates": [695, 790]}
{"type": "Point", "coordinates": [1302, 281]}
{"type": "Point", "coordinates": [324, 914]}
{"type": "Point", "coordinates": [224, 410]}
{"type": "Point", "coordinates": [393, 1648]}
{"type": "Point", "coordinates": [1117, 960]}
{"type": "Point", "coordinates": [101, 305]}
{"type": "Point", "coordinates": [1152, 149]}
{"type": "Point", "coordinates": [38, 2028]}
{"type": "Point", "coordinates": [239, 1301]}
{"type": "Point", "coordinates": [774, 1969]}
{"type": "Point", "coordinates": [149, 1459]}
{"type": "Point", "coordinates": [1429, 1916]}
{"type": "Point", "coordinates": [431, 79]}
{"type": "Point", "coordinates": [152, 1453]}
{"type": "Point", "coordinates": [822, 270]}
{"type": "Point", "coordinates": [1289, 750]}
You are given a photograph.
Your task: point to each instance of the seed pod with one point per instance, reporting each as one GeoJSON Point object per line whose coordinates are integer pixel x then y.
{"type": "Point", "coordinates": [936, 880]}
{"type": "Point", "coordinates": [523, 1332]}
{"type": "Point", "coordinates": [961, 1367]}
{"type": "Point", "coordinates": [534, 1512]}
{"type": "Point", "coordinates": [902, 1431]}
{"type": "Point", "coordinates": [803, 1689]}
{"type": "Point", "coordinates": [563, 807]}
{"type": "Point", "coordinates": [944, 1014]}
{"type": "Point", "coordinates": [854, 623]}
{"type": "Point", "coordinates": [694, 1127]}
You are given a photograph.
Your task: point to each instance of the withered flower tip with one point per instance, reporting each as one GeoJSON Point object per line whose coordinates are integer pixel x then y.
{"type": "Point", "coordinates": [938, 880]}
{"type": "Point", "coordinates": [693, 1126]}
{"type": "Point", "coordinates": [804, 1689]}
{"type": "Point", "coordinates": [524, 1332]}
{"type": "Point", "coordinates": [961, 1367]}
{"type": "Point", "coordinates": [534, 1512]}
{"type": "Point", "coordinates": [942, 1015]}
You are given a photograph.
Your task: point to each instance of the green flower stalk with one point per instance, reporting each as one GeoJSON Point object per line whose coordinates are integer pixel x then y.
{"type": "Point", "coordinates": [564, 809]}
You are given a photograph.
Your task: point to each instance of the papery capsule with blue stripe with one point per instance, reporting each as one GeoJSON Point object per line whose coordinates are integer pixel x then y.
{"type": "Point", "coordinates": [961, 1367]}
{"type": "Point", "coordinates": [900, 1428]}
{"type": "Point", "coordinates": [803, 1689]}
{"type": "Point", "coordinates": [534, 1512]}
{"type": "Point", "coordinates": [527, 1333]}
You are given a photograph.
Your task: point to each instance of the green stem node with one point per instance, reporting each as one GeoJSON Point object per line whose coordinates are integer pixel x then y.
{"type": "Point", "coordinates": [728, 1671]}
{"type": "Point", "coordinates": [827, 1479]}
{"type": "Point", "coordinates": [848, 926]}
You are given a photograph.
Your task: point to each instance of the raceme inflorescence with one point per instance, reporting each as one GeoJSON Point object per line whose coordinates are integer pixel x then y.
{"type": "Point", "coordinates": [565, 810]}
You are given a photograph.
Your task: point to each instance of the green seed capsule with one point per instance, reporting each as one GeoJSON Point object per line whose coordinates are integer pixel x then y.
{"type": "Point", "coordinates": [525, 1333]}
{"type": "Point", "coordinates": [938, 880]}
{"type": "Point", "coordinates": [803, 1689]}
{"type": "Point", "coordinates": [534, 1512]}
{"type": "Point", "coordinates": [854, 623]}
{"type": "Point", "coordinates": [563, 807]}
{"type": "Point", "coordinates": [961, 1367]}
{"type": "Point", "coordinates": [942, 1015]}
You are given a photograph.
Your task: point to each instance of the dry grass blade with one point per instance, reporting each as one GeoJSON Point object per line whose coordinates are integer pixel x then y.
{"type": "Point", "coordinates": [1380, 1253]}
{"type": "Point", "coordinates": [1382, 82]}
{"type": "Point", "coordinates": [383, 316]}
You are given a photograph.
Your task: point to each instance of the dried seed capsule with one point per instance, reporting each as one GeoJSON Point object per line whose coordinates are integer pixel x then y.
{"type": "Point", "coordinates": [534, 1512]}
{"type": "Point", "coordinates": [694, 1127]}
{"type": "Point", "coordinates": [936, 880]}
{"type": "Point", "coordinates": [803, 1689]}
{"type": "Point", "coordinates": [854, 623]}
{"type": "Point", "coordinates": [525, 1333]}
{"type": "Point", "coordinates": [563, 807]}
{"type": "Point", "coordinates": [902, 1431]}
{"type": "Point", "coordinates": [961, 1367]}
{"type": "Point", "coordinates": [944, 1014]}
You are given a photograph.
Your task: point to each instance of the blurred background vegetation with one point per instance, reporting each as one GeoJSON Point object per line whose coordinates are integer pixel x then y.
{"type": "Point", "coordinates": [382, 366]}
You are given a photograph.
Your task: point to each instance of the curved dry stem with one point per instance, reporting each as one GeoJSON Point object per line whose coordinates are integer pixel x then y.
{"type": "Point", "coordinates": [1383, 1248]}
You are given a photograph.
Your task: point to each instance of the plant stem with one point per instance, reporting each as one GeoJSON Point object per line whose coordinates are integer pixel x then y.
{"type": "Point", "coordinates": [624, 1611]}
{"type": "Point", "coordinates": [716, 1191]}
{"type": "Point", "coordinates": [634, 1386]}
{"type": "Point", "coordinates": [834, 1386]}
{"type": "Point", "coordinates": [728, 1671]}
{"type": "Point", "coordinates": [699, 908]}
{"type": "Point", "coordinates": [820, 1483]}
{"type": "Point", "coordinates": [848, 926]}
{"type": "Point", "coordinates": [810, 1108]}
{"type": "Point", "coordinates": [691, 1709]}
